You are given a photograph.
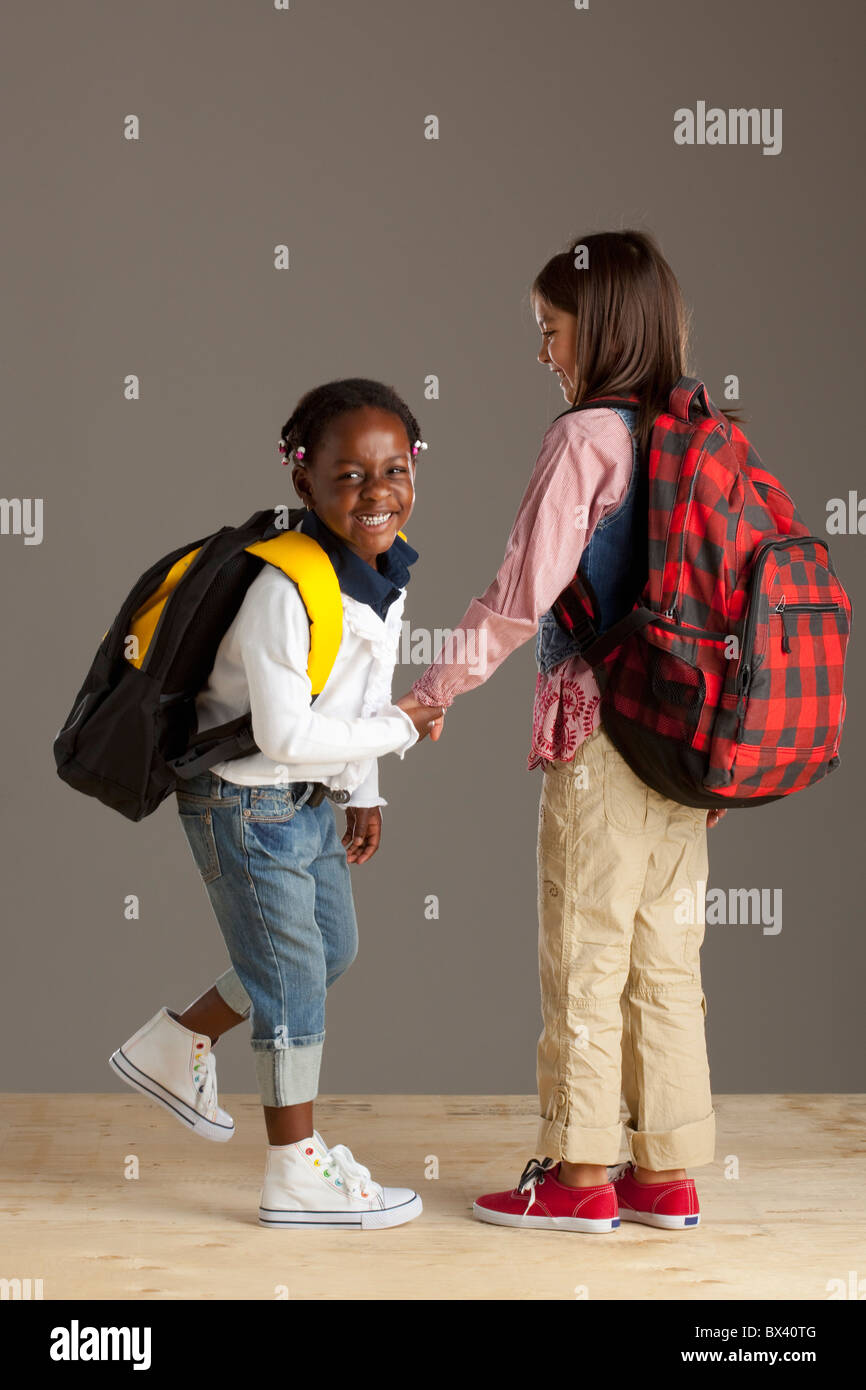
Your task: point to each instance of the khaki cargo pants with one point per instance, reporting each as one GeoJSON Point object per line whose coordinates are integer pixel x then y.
{"type": "Point", "coordinates": [620, 931]}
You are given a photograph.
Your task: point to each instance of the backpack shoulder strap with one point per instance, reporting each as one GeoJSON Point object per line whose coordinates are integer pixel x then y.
{"type": "Point", "coordinates": [300, 558]}
{"type": "Point", "coordinates": [595, 402]}
{"type": "Point", "coordinates": [303, 560]}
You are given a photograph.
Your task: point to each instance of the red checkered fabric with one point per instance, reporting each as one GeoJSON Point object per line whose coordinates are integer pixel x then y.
{"type": "Point", "coordinates": [724, 685]}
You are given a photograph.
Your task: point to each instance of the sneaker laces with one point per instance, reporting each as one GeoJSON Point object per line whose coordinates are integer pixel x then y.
{"type": "Point", "coordinates": [532, 1176]}
{"type": "Point", "coordinates": [206, 1084]}
{"type": "Point", "coordinates": [353, 1175]}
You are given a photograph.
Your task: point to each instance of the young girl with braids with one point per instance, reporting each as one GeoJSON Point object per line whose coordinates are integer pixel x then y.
{"type": "Point", "coordinates": [622, 1003]}
{"type": "Point", "coordinates": [275, 867]}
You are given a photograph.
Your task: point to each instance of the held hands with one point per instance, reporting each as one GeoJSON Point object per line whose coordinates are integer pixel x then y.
{"type": "Point", "coordinates": [428, 719]}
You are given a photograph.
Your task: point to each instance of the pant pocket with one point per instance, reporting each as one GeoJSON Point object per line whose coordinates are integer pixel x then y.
{"type": "Point", "coordinates": [198, 827]}
{"type": "Point", "coordinates": [625, 795]}
{"type": "Point", "coordinates": [270, 804]}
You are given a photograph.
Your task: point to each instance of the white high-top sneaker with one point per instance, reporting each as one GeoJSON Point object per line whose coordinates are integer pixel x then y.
{"type": "Point", "coordinates": [309, 1185]}
{"type": "Point", "coordinates": [175, 1067]}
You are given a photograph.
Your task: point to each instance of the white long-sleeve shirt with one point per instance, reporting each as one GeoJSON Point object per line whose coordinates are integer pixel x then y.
{"type": "Point", "coordinates": [261, 666]}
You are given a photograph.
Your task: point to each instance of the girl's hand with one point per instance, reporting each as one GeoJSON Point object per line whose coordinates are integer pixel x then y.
{"type": "Point", "coordinates": [714, 816]}
{"type": "Point", "coordinates": [363, 833]}
{"type": "Point", "coordinates": [428, 719]}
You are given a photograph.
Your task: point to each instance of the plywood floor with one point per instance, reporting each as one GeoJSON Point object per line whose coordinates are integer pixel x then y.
{"type": "Point", "coordinates": [186, 1227]}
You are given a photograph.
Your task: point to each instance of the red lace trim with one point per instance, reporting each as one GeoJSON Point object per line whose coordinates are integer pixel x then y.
{"type": "Point", "coordinates": [562, 717]}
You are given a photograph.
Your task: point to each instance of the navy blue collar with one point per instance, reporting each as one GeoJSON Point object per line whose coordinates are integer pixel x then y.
{"type": "Point", "coordinates": [377, 587]}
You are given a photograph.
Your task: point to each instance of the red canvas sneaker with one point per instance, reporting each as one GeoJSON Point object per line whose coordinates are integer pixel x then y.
{"type": "Point", "coordinates": [672, 1205]}
{"type": "Point", "coordinates": [554, 1207]}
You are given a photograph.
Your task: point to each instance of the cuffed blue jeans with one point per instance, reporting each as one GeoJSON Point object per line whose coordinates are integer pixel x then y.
{"type": "Point", "coordinates": [280, 888]}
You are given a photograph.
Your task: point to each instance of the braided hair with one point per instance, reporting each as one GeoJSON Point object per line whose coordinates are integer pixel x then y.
{"type": "Point", "coordinates": [315, 411]}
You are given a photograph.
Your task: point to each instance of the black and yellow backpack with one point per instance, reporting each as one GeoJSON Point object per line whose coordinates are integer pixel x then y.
{"type": "Point", "coordinates": [131, 733]}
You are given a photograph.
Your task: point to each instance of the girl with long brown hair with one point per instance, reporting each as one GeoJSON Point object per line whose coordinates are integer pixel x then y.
{"type": "Point", "coordinates": [622, 1001]}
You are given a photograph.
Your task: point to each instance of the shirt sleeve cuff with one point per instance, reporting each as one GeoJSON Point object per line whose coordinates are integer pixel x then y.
{"type": "Point", "coordinates": [390, 710]}
{"type": "Point", "coordinates": [425, 696]}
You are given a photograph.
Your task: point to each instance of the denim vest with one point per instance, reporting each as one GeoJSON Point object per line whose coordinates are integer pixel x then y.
{"type": "Point", "coordinates": [615, 562]}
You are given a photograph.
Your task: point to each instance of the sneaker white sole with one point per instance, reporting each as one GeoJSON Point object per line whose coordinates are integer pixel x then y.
{"type": "Point", "coordinates": [547, 1223]}
{"type": "Point", "coordinates": [341, 1220]}
{"type": "Point", "coordinates": [147, 1086]}
{"type": "Point", "coordinates": [667, 1223]}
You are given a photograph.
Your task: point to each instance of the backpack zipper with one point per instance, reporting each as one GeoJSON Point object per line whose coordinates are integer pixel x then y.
{"type": "Point", "coordinates": [782, 608]}
{"type": "Point", "coordinates": [744, 676]}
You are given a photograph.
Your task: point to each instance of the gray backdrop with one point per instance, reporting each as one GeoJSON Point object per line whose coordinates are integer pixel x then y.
{"type": "Point", "coordinates": [407, 257]}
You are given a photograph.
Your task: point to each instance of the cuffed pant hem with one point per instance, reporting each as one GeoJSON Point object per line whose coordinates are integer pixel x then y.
{"type": "Point", "coordinates": [288, 1075]}
{"type": "Point", "coordinates": [576, 1144]}
{"type": "Point", "coordinates": [689, 1146]}
{"type": "Point", "coordinates": [232, 992]}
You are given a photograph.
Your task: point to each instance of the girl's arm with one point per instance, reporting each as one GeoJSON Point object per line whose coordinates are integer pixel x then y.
{"type": "Point", "coordinates": [273, 636]}
{"type": "Point", "coordinates": [582, 473]}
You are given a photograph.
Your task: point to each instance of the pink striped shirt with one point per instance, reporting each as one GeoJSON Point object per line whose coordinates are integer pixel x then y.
{"type": "Point", "coordinates": [581, 474]}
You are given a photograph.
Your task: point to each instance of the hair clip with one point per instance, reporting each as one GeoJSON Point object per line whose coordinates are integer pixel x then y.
{"type": "Point", "coordinates": [419, 444]}
{"type": "Point", "coordinates": [283, 448]}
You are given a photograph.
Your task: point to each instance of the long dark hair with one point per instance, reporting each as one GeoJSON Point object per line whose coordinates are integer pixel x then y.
{"type": "Point", "coordinates": [632, 322]}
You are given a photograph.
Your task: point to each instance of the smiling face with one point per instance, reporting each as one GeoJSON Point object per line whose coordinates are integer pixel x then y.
{"type": "Point", "coordinates": [361, 481]}
{"type": "Point", "coordinates": [558, 343]}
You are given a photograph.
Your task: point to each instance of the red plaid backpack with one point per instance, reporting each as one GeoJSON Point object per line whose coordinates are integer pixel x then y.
{"type": "Point", "coordinates": [724, 684]}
